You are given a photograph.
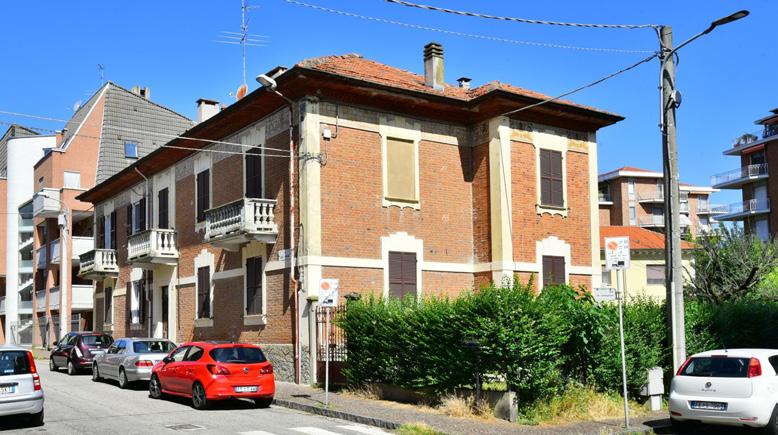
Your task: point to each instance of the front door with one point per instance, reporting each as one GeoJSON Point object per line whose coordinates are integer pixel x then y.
{"type": "Point", "coordinates": [164, 304]}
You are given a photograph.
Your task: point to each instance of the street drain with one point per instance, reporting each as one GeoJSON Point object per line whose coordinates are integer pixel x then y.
{"type": "Point", "coordinates": [184, 427]}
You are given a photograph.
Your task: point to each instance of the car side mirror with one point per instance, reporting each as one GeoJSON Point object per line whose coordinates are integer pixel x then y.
{"type": "Point", "coordinates": [167, 360]}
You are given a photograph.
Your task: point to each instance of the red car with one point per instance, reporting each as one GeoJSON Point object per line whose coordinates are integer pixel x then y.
{"type": "Point", "coordinates": [210, 371]}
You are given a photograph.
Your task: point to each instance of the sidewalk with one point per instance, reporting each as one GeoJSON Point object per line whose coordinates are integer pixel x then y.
{"type": "Point", "coordinates": [391, 415]}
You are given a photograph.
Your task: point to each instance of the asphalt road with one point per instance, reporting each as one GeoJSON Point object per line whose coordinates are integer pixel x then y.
{"type": "Point", "coordinates": [76, 405]}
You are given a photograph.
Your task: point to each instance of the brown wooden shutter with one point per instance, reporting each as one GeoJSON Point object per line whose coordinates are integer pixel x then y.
{"type": "Point", "coordinates": [409, 273]}
{"type": "Point", "coordinates": [142, 214]}
{"type": "Point", "coordinates": [551, 186]}
{"type": "Point", "coordinates": [113, 230]}
{"type": "Point", "coordinates": [553, 270]}
{"type": "Point", "coordinates": [545, 181]}
{"type": "Point", "coordinates": [101, 233]}
{"type": "Point", "coordinates": [204, 292]}
{"type": "Point", "coordinates": [203, 194]}
{"type": "Point", "coordinates": [129, 220]}
{"type": "Point", "coordinates": [557, 198]}
{"type": "Point", "coordinates": [254, 285]}
{"type": "Point", "coordinates": [402, 274]}
{"type": "Point", "coordinates": [163, 208]}
{"type": "Point", "coordinates": [253, 174]}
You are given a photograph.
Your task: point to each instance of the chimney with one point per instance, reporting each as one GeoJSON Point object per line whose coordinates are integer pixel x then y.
{"type": "Point", "coordinates": [144, 93]}
{"type": "Point", "coordinates": [206, 109]}
{"type": "Point", "coordinates": [464, 82]}
{"type": "Point", "coordinates": [433, 66]}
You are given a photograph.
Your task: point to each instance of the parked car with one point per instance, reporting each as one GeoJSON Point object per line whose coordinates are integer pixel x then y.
{"type": "Point", "coordinates": [737, 387]}
{"type": "Point", "coordinates": [20, 385]}
{"type": "Point", "coordinates": [130, 359]}
{"type": "Point", "coordinates": [77, 349]}
{"type": "Point", "coordinates": [210, 371]}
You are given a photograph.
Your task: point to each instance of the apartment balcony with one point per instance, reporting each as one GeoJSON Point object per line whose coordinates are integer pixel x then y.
{"type": "Point", "coordinates": [25, 266]}
{"type": "Point", "coordinates": [80, 246]}
{"type": "Point", "coordinates": [26, 284]}
{"type": "Point", "coordinates": [604, 199]}
{"type": "Point", "coordinates": [26, 226]}
{"type": "Point", "coordinates": [712, 209]}
{"type": "Point", "coordinates": [652, 198]}
{"type": "Point", "coordinates": [2, 305]}
{"type": "Point", "coordinates": [82, 297]}
{"type": "Point", "coordinates": [40, 299]}
{"type": "Point", "coordinates": [152, 247]}
{"type": "Point", "coordinates": [25, 245]}
{"type": "Point", "coordinates": [98, 264]}
{"type": "Point", "coordinates": [40, 256]}
{"type": "Point", "coordinates": [655, 221]}
{"type": "Point", "coordinates": [766, 134]}
{"type": "Point", "coordinates": [240, 222]}
{"type": "Point", "coordinates": [737, 178]}
{"type": "Point", "coordinates": [45, 204]}
{"type": "Point", "coordinates": [741, 210]}
{"type": "Point", "coordinates": [23, 307]}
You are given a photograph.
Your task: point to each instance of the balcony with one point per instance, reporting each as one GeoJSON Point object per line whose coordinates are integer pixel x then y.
{"type": "Point", "coordinates": [26, 284]}
{"type": "Point", "coordinates": [40, 299]}
{"type": "Point", "coordinates": [240, 222]}
{"type": "Point", "coordinates": [737, 178]}
{"type": "Point", "coordinates": [604, 198]}
{"type": "Point", "coordinates": [98, 264]}
{"type": "Point", "coordinates": [748, 140]}
{"type": "Point", "coordinates": [2, 305]}
{"type": "Point", "coordinates": [25, 226]}
{"type": "Point", "coordinates": [80, 246]}
{"type": "Point", "coordinates": [45, 204]}
{"type": "Point", "coordinates": [25, 266]}
{"type": "Point", "coordinates": [152, 247]}
{"type": "Point", "coordinates": [25, 245]}
{"type": "Point", "coordinates": [652, 222]}
{"type": "Point", "coordinates": [40, 256]}
{"type": "Point", "coordinates": [652, 198]}
{"type": "Point", "coordinates": [24, 307]}
{"type": "Point", "coordinates": [742, 210]}
{"type": "Point", "coordinates": [82, 297]}
{"type": "Point", "coordinates": [711, 209]}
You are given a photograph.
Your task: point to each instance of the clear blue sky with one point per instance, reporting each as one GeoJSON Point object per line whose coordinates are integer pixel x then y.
{"type": "Point", "coordinates": [50, 50]}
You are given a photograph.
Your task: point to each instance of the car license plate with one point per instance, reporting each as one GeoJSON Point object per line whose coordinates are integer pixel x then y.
{"type": "Point", "coordinates": [7, 389]}
{"type": "Point", "coordinates": [246, 389]}
{"type": "Point", "coordinates": [709, 406]}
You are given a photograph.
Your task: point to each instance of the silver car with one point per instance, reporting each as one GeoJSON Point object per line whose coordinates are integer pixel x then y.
{"type": "Point", "coordinates": [130, 359]}
{"type": "Point", "coordinates": [20, 385]}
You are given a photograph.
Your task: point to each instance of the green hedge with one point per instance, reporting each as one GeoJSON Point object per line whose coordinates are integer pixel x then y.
{"type": "Point", "coordinates": [538, 343]}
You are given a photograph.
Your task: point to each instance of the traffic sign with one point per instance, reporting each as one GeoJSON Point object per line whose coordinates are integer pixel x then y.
{"type": "Point", "coordinates": [328, 292]}
{"type": "Point", "coordinates": [602, 294]}
{"type": "Point", "coordinates": [617, 253]}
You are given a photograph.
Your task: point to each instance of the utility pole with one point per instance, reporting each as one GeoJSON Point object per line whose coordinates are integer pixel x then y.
{"type": "Point", "coordinates": [673, 267]}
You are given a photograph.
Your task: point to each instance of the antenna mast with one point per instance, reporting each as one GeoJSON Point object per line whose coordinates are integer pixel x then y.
{"type": "Point", "coordinates": [101, 71]}
{"type": "Point", "coordinates": [244, 28]}
{"type": "Point", "coordinates": [243, 38]}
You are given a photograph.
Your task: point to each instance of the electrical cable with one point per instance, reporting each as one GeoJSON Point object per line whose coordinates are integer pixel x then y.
{"type": "Point", "coordinates": [468, 35]}
{"type": "Point", "coordinates": [523, 20]}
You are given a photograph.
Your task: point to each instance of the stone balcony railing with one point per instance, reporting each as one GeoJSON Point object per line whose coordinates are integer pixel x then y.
{"type": "Point", "coordinates": [98, 264]}
{"type": "Point", "coordinates": [152, 246]}
{"type": "Point", "coordinates": [232, 225]}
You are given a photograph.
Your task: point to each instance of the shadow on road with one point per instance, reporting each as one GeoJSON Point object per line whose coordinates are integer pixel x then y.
{"type": "Point", "coordinates": [662, 426]}
{"type": "Point", "coordinates": [15, 422]}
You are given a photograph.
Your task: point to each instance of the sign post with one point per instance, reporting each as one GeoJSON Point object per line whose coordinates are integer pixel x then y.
{"type": "Point", "coordinates": [328, 294]}
{"type": "Point", "coordinates": [617, 258]}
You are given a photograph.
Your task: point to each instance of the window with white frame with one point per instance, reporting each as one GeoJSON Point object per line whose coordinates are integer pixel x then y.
{"type": "Point", "coordinates": [631, 188]}
{"type": "Point", "coordinates": [72, 179]}
{"type": "Point", "coordinates": [401, 170]}
{"type": "Point", "coordinates": [633, 215]}
{"type": "Point", "coordinates": [131, 150]}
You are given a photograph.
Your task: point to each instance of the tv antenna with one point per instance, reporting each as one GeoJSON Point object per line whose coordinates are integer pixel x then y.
{"type": "Point", "coordinates": [243, 38]}
{"type": "Point", "coordinates": [101, 71]}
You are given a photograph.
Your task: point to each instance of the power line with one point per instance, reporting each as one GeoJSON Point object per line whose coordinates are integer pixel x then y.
{"type": "Point", "coordinates": [523, 20]}
{"type": "Point", "coordinates": [464, 34]}
{"type": "Point", "coordinates": [586, 86]}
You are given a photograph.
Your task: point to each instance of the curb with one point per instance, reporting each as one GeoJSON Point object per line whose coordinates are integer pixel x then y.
{"type": "Point", "coordinates": [370, 421]}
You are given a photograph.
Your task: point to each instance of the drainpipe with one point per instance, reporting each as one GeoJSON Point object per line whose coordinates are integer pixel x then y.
{"type": "Point", "coordinates": [149, 315]}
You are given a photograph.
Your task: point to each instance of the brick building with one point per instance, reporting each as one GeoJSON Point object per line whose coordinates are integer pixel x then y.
{"type": "Point", "coordinates": [631, 196]}
{"type": "Point", "coordinates": [753, 179]}
{"type": "Point", "coordinates": [403, 185]}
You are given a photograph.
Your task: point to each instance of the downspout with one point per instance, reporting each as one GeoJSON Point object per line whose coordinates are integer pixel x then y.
{"type": "Point", "coordinates": [149, 315]}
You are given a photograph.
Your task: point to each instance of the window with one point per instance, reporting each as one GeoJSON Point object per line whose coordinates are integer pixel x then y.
{"type": "Point", "coordinates": [401, 170]}
{"type": "Point", "coordinates": [660, 189]}
{"type": "Point", "coordinates": [253, 173]}
{"type": "Point", "coordinates": [703, 203]}
{"type": "Point", "coordinates": [204, 292]}
{"type": "Point", "coordinates": [162, 209]}
{"type": "Point", "coordinates": [551, 190]}
{"type": "Point", "coordinates": [633, 217]}
{"type": "Point", "coordinates": [72, 179]}
{"type": "Point", "coordinates": [131, 150]}
{"type": "Point", "coordinates": [152, 346]}
{"type": "Point", "coordinates": [763, 229]}
{"type": "Point", "coordinates": [179, 354]}
{"type": "Point", "coordinates": [402, 274]}
{"type": "Point", "coordinates": [238, 354]}
{"type": "Point", "coordinates": [194, 354]}
{"type": "Point", "coordinates": [254, 286]}
{"type": "Point", "coordinates": [108, 305]}
{"type": "Point", "coordinates": [655, 274]}
{"type": "Point", "coordinates": [757, 158]}
{"type": "Point", "coordinates": [106, 231]}
{"type": "Point", "coordinates": [715, 367]}
{"type": "Point", "coordinates": [631, 188]}
{"type": "Point", "coordinates": [41, 183]}
{"type": "Point", "coordinates": [553, 270]}
{"type": "Point", "coordinates": [120, 346]}
{"type": "Point", "coordinates": [774, 362]}
{"type": "Point", "coordinates": [14, 362]}
{"type": "Point", "coordinates": [139, 299]}
{"type": "Point", "coordinates": [685, 197]}
{"type": "Point", "coordinates": [203, 194]}
{"type": "Point", "coordinates": [704, 222]}
{"type": "Point", "coordinates": [606, 277]}
{"type": "Point", "coordinates": [139, 216]}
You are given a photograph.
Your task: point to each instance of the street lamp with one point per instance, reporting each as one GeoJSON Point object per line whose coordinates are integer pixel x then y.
{"type": "Point", "coordinates": [271, 86]}
{"type": "Point", "coordinates": [670, 100]}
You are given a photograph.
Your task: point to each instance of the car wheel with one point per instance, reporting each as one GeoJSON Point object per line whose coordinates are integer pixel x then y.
{"type": "Point", "coordinates": [264, 402]}
{"type": "Point", "coordinates": [95, 373]}
{"type": "Point", "coordinates": [52, 365]}
{"type": "Point", "coordinates": [37, 419]}
{"type": "Point", "coordinates": [155, 388]}
{"type": "Point", "coordinates": [772, 424]}
{"type": "Point", "coordinates": [199, 400]}
{"type": "Point", "coordinates": [72, 368]}
{"type": "Point", "coordinates": [123, 381]}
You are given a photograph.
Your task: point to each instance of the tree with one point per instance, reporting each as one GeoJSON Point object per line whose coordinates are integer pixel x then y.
{"type": "Point", "coordinates": [730, 264]}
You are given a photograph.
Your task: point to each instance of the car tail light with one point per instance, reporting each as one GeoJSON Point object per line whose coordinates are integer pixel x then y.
{"type": "Point", "coordinates": [683, 366]}
{"type": "Point", "coordinates": [36, 378]}
{"type": "Point", "coordinates": [143, 363]}
{"type": "Point", "coordinates": [218, 370]}
{"type": "Point", "coordinates": [675, 413]}
{"type": "Point", "coordinates": [267, 370]}
{"type": "Point", "coordinates": [754, 368]}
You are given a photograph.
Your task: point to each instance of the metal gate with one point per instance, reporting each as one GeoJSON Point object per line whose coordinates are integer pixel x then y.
{"type": "Point", "coordinates": [336, 340]}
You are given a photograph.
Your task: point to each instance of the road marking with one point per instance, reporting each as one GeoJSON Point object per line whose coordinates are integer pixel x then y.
{"type": "Point", "coordinates": [255, 432]}
{"type": "Point", "coordinates": [364, 429]}
{"type": "Point", "coordinates": [314, 431]}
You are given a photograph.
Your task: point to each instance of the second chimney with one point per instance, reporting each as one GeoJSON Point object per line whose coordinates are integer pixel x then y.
{"type": "Point", "coordinates": [433, 66]}
{"type": "Point", "coordinates": [206, 109]}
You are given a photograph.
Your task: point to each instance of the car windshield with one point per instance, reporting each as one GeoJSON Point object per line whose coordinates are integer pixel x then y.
{"type": "Point", "coordinates": [238, 355]}
{"type": "Point", "coordinates": [717, 367]}
{"type": "Point", "coordinates": [14, 362]}
{"type": "Point", "coordinates": [97, 340]}
{"type": "Point", "coordinates": [153, 346]}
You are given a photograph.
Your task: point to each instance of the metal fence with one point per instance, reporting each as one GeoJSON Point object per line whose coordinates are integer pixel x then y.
{"type": "Point", "coordinates": [336, 339]}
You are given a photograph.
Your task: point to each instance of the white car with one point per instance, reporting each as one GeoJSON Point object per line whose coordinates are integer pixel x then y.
{"type": "Point", "coordinates": [20, 385]}
{"type": "Point", "coordinates": [737, 387]}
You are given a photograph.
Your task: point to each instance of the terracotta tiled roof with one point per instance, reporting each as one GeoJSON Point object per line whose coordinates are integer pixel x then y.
{"type": "Point", "coordinates": [357, 67]}
{"type": "Point", "coordinates": [639, 238]}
